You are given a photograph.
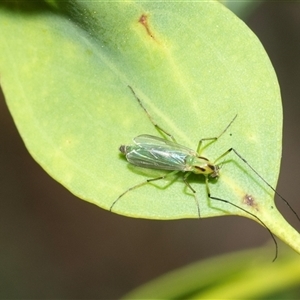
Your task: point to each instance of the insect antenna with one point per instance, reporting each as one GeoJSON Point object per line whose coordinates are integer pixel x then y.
{"type": "Point", "coordinates": [274, 190]}
{"type": "Point", "coordinates": [253, 215]}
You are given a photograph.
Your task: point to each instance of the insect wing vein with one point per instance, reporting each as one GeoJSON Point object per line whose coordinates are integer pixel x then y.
{"type": "Point", "coordinates": [145, 139]}
{"type": "Point", "coordinates": [157, 153]}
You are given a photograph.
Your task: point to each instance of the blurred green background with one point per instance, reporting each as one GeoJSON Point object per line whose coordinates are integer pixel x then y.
{"type": "Point", "coordinates": [54, 245]}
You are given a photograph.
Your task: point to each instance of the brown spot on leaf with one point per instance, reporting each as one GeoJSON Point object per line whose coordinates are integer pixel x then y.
{"type": "Point", "coordinates": [250, 201]}
{"type": "Point", "coordinates": [144, 21]}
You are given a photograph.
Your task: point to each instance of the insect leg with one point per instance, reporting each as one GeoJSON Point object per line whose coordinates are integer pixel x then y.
{"type": "Point", "coordinates": [190, 187]}
{"type": "Point", "coordinates": [214, 138]}
{"type": "Point", "coordinates": [268, 184]}
{"type": "Point", "coordinates": [149, 116]}
{"type": "Point", "coordinates": [246, 211]}
{"type": "Point", "coordinates": [141, 184]}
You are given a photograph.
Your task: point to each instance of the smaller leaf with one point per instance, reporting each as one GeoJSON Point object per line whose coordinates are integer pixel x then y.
{"type": "Point", "coordinates": [241, 275]}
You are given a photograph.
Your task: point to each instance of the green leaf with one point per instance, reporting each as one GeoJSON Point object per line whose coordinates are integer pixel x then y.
{"type": "Point", "coordinates": [65, 69]}
{"type": "Point", "coordinates": [241, 275]}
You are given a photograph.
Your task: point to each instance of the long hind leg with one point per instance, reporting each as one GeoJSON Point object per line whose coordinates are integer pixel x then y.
{"type": "Point", "coordinates": [149, 116]}
{"type": "Point", "coordinates": [246, 211]}
{"type": "Point", "coordinates": [213, 139]}
{"type": "Point", "coordinates": [141, 184]}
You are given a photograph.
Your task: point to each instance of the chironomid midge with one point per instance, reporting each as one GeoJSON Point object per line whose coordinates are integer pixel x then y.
{"type": "Point", "coordinates": [153, 152]}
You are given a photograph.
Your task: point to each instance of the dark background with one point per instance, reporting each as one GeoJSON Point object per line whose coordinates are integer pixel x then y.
{"type": "Point", "coordinates": [54, 245]}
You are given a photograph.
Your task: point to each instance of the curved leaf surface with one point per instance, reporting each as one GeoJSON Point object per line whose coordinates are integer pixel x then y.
{"type": "Point", "coordinates": [65, 69]}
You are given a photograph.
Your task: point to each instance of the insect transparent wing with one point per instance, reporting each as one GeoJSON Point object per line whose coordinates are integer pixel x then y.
{"type": "Point", "coordinates": [156, 153]}
{"type": "Point", "coordinates": [147, 140]}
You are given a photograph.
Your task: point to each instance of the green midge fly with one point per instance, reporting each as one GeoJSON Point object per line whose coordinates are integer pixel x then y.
{"type": "Point", "coordinates": [153, 152]}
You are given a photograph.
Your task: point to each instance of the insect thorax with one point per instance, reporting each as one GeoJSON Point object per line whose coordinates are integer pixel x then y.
{"type": "Point", "coordinates": [201, 165]}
